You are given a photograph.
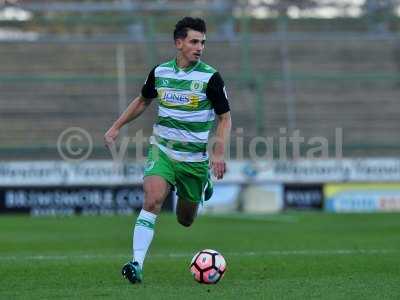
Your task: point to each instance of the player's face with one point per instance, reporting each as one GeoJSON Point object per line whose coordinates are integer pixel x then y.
{"type": "Point", "coordinates": [192, 46]}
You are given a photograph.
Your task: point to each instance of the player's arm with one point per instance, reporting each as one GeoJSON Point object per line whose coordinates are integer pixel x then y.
{"type": "Point", "coordinates": [134, 109]}
{"type": "Point", "coordinates": [216, 92]}
{"type": "Point", "coordinates": [222, 138]}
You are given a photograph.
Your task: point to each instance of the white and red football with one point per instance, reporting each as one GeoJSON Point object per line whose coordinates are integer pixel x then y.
{"type": "Point", "coordinates": [208, 266]}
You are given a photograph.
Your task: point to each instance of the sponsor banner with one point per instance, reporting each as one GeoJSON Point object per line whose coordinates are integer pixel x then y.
{"type": "Point", "coordinates": [89, 173]}
{"type": "Point", "coordinates": [108, 173]}
{"type": "Point", "coordinates": [303, 196]}
{"type": "Point", "coordinates": [362, 197]}
{"type": "Point", "coordinates": [262, 198]}
{"type": "Point", "coordinates": [73, 200]}
{"type": "Point", "coordinates": [316, 171]}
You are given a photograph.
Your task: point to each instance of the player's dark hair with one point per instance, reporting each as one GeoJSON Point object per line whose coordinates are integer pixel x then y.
{"type": "Point", "coordinates": [182, 27]}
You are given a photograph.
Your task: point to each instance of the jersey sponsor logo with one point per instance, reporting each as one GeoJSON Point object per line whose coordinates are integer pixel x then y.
{"type": "Point", "coordinates": [176, 98]}
{"type": "Point", "coordinates": [196, 86]}
{"type": "Point", "coordinates": [170, 98]}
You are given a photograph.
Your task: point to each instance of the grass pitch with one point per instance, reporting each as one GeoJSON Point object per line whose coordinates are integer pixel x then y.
{"type": "Point", "coordinates": [287, 256]}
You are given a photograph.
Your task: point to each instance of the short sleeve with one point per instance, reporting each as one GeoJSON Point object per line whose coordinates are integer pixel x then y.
{"type": "Point", "coordinates": [149, 88]}
{"type": "Point", "coordinates": [216, 93]}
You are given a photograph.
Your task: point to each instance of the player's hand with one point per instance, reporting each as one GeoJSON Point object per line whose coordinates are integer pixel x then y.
{"type": "Point", "coordinates": [219, 168]}
{"type": "Point", "coordinates": [111, 136]}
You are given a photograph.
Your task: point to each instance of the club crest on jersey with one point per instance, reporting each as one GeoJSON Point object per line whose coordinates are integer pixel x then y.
{"type": "Point", "coordinates": [196, 86]}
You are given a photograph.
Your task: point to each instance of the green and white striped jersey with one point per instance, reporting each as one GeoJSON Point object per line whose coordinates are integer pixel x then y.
{"type": "Point", "coordinates": [188, 101]}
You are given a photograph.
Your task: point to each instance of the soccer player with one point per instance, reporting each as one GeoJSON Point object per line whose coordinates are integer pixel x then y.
{"type": "Point", "coordinates": [191, 95]}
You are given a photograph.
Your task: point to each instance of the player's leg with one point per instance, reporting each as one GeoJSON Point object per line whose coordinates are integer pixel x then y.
{"type": "Point", "coordinates": [156, 190]}
{"type": "Point", "coordinates": [157, 184]}
{"type": "Point", "coordinates": [191, 183]}
{"type": "Point", "coordinates": [186, 211]}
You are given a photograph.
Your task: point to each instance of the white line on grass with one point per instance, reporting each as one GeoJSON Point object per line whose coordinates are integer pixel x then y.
{"type": "Point", "coordinates": [265, 218]}
{"type": "Point", "coordinates": [182, 255]}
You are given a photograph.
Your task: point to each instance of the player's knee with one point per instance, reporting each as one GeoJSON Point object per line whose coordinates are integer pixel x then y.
{"type": "Point", "coordinates": [150, 206]}
{"type": "Point", "coordinates": [153, 204]}
{"type": "Point", "coordinates": [185, 221]}
{"type": "Point", "coordinates": [155, 190]}
{"type": "Point", "coordinates": [152, 195]}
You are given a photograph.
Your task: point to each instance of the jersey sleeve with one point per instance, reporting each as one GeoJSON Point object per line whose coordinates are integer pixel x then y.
{"type": "Point", "coordinates": [216, 93]}
{"type": "Point", "coordinates": [149, 88]}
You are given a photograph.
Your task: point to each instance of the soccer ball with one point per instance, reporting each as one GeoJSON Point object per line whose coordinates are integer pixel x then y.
{"type": "Point", "coordinates": [208, 266]}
